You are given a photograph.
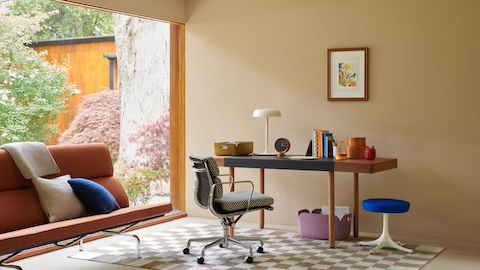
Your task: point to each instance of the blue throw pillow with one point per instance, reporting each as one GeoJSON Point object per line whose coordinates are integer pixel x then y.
{"type": "Point", "coordinates": [94, 196]}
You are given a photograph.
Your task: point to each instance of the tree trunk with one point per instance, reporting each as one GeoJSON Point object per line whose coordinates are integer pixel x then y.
{"type": "Point", "coordinates": [143, 57]}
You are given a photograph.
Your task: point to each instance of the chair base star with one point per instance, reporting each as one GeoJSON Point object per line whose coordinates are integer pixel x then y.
{"type": "Point", "coordinates": [223, 241]}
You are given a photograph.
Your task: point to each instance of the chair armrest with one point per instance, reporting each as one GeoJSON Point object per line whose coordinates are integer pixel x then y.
{"type": "Point", "coordinates": [229, 175]}
{"type": "Point", "coordinates": [212, 193]}
{"type": "Point", "coordinates": [231, 180]}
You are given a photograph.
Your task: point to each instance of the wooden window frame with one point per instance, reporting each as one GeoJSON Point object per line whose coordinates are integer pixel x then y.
{"type": "Point", "coordinates": [177, 116]}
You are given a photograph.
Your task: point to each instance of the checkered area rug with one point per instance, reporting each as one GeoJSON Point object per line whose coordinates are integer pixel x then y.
{"type": "Point", "coordinates": [283, 250]}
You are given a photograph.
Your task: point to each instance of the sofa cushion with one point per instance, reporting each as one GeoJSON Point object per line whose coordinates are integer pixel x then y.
{"type": "Point", "coordinates": [89, 160]}
{"type": "Point", "coordinates": [48, 233]}
{"type": "Point", "coordinates": [113, 185]}
{"type": "Point", "coordinates": [20, 208]}
{"type": "Point", "coordinates": [58, 199]}
{"type": "Point", "coordinates": [11, 178]}
{"type": "Point", "coordinates": [95, 197]}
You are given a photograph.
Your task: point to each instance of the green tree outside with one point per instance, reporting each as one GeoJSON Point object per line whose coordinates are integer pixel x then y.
{"type": "Point", "coordinates": [33, 91]}
{"type": "Point", "coordinates": [65, 21]}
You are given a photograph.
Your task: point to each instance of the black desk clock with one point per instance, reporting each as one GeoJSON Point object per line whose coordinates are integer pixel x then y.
{"type": "Point", "coordinates": [282, 146]}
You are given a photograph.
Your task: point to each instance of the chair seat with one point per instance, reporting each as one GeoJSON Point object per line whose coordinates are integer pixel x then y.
{"type": "Point", "coordinates": [237, 201]}
{"type": "Point", "coordinates": [386, 205]}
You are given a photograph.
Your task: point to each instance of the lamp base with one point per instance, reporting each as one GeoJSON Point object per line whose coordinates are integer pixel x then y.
{"type": "Point", "coordinates": [266, 154]}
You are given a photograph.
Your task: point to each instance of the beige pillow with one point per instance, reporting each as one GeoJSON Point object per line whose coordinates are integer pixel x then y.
{"type": "Point", "coordinates": [57, 198]}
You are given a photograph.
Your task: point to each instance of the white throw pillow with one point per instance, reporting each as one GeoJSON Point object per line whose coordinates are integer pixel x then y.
{"type": "Point", "coordinates": [57, 198]}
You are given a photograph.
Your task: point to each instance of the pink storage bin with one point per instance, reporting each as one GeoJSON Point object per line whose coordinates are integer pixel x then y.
{"type": "Point", "coordinates": [315, 225]}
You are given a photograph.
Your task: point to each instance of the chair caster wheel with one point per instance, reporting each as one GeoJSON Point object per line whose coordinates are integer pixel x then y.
{"type": "Point", "coordinates": [200, 260]}
{"type": "Point", "coordinates": [186, 250]}
{"type": "Point", "coordinates": [221, 245]}
{"type": "Point", "coordinates": [248, 259]}
{"type": "Point", "coordinates": [260, 249]}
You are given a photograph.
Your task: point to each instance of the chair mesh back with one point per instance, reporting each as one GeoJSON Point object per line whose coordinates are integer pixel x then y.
{"type": "Point", "coordinates": [214, 172]}
{"type": "Point", "coordinates": [203, 186]}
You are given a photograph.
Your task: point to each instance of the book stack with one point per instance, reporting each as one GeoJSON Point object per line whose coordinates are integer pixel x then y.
{"type": "Point", "coordinates": [322, 143]}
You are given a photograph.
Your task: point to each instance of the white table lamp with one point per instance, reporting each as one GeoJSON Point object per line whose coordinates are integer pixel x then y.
{"type": "Point", "coordinates": [266, 113]}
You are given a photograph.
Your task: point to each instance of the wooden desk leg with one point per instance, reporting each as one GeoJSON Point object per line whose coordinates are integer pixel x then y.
{"type": "Point", "coordinates": [262, 190]}
{"type": "Point", "coordinates": [355, 204]}
{"type": "Point", "coordinates": [231, 230]}
{"type": "Point", "coordinates": [331, 209]}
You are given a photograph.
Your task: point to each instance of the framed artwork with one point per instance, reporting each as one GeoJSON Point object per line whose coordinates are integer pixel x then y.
{"type": "Point", "coordinates": [347, 74]}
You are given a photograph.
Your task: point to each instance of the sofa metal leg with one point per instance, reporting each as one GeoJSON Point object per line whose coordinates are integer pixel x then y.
{"type": "Point", "coordinates": [3, 264]}
{"type": "Point", "coordinates": [80, 238]}
{"type": "Point", "coordinates": [10, 266]}
{"type": "Point", "coordinates": [122, 232]}
{"type": "Point", "coordinates": [139, 247]}
{"type": "Point", "coordinates": [129, 235]}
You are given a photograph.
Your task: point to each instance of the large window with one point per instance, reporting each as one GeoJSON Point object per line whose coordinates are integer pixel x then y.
{"type": "Point", "coordinates": [125, 77]}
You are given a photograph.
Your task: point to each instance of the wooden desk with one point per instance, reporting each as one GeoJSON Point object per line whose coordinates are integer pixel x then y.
{"type": "Point", "coordinates": [329, 165]}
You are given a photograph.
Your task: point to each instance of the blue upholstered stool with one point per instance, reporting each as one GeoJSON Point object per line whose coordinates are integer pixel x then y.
{"type": "Point", "coordinates": [385, 206]}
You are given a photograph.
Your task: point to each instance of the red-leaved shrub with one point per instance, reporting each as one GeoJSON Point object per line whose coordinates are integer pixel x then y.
{"type": "Point", "coordinates": [97, 120]}
{"type": "Point", "coordinates": [154, 143]}
{"type": "Point", "coordinates": [153, 155]}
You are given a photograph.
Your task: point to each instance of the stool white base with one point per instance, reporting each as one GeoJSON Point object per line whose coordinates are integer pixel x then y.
{"type": "Point", "coordinates": [384, 240]}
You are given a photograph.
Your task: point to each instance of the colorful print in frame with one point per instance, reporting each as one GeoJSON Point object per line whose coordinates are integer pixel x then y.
{"type": "Point", "coordinates": [347, 74]}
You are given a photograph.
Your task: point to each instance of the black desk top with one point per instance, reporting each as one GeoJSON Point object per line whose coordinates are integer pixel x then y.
{"type": "Point", "coordinates": [275, 162]}
{"type": "Point", "coordinates": [320, 164]}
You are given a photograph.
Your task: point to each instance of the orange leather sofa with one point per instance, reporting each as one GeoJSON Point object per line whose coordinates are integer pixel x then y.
{"type": "Point", "coordinates": [24, 224]}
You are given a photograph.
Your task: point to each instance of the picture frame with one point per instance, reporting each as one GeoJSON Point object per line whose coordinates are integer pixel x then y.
{"type": "Point", "coordinates": [348, 74]}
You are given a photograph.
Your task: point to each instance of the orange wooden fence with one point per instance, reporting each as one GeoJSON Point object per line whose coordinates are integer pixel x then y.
{"type": "Point", "coordinates": [90, 70]}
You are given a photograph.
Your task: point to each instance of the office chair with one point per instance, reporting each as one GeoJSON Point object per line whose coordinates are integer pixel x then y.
{"type": "Point", "coordinates": [209, 195]}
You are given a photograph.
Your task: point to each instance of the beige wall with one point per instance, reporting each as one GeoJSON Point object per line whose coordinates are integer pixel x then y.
{"type": "Point", "coordinates": [423, 107]}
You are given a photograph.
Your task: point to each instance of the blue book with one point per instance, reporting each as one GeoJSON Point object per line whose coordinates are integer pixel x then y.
{"type": "Point", "coordinates": [327, 141]}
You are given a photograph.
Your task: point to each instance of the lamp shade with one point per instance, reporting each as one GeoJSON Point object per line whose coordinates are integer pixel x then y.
{"type": "Point", "coordinates": [266, 113]}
